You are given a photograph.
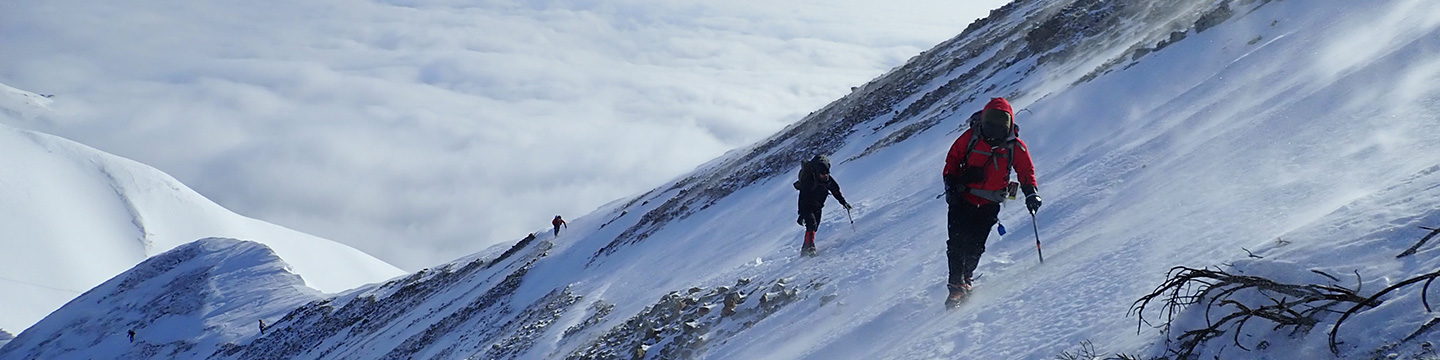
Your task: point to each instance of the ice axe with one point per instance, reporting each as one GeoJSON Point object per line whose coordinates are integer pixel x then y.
{"type": "Point", "coordinates": [1037, 237]}
{"type": "Point", "coordinates": [852, 219]}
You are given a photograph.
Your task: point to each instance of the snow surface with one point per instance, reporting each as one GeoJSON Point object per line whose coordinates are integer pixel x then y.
{"type": "Point", "coordinates": [1214, 144]}
{"type": "Point", "coordinates": [22, 105]}
{"type": "Point", "coordinates": [72, 216]}
{"type": "Point", "coordinates": [1289, 131]}
{"type": "Point", "coordinates": [195, 296]}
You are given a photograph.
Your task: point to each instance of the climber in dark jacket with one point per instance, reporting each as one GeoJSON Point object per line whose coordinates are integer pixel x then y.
{"type": "Point", "coordinates": [815, 186]}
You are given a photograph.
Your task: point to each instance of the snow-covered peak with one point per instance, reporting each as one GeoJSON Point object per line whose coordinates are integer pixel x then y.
{"type": "Point", "coordinates": [23, 105]}
{"type": "Point", "coordinates": [179, 304]}
{"type": "Point", "coordinates": [72, 216]}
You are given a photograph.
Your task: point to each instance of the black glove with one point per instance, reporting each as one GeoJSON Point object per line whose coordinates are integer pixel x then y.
{"type": "Point", "coordinates": [846, 205]}
{"type": "Point", "coordinates": [800, 220]}
{"type": "Point", "coordinates": [971, 175]}
{"type": "Point", "coordinates": [1032, 202]}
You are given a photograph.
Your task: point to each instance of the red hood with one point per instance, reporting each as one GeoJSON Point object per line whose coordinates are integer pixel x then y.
{"type": "Point", "coordinates": [1000, 104]}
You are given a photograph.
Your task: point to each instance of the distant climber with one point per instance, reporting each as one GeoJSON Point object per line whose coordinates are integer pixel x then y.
{"type": "Point", "coordinates": [262, 326]}
{"type": "Point", "coordinates": [815, 185]}
{"type": "Point", "coordinates": [977, 181]}
{"type": "Point", "coordinates": [132, 335]}
{"type": "Point", "coordinates": [558, 222]}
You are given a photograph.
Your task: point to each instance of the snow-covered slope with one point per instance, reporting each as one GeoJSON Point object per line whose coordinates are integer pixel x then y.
{"type": "Point", "coordinates": [1283, 139]}
{"type": "Point", "coordinates": [22, 105]}
{"type": "Point", "coordinates": [72, 216]}
{"type": "Point", "coordinates": [192, 298]}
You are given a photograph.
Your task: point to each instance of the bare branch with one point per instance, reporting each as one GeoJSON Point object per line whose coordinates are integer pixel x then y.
{"type": "Point", "coordinates": [1373, 301]}
{"type": "Point", "coordinates": [1252, 254]}
{"type": "Point", "coordinates": [1322, 273]}
{"type": "Point", "coordinates": [1413, 249]}
{"type": "Point", "coordinates": [1424, 294]}
{"type": "Point", "coordinates": [1359, 283]}
{"type": "Point", "coordinates": [1298, 307]}
{"type": "Point", "coordinates": [1294, 306]}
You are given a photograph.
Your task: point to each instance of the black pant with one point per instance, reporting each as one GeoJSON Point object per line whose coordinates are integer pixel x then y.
{"type": "Point", "coordinates": [968, 225]}
{"type": "Point", "coordinates": [810, 218]}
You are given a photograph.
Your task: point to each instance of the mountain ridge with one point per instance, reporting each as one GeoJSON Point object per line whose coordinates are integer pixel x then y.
{"type": "Point", "coordinates": [75, 216]}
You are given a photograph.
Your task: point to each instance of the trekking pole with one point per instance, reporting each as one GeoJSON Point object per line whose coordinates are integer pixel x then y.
{"type": "Point", "coordinates": [852, 220]}
{"type": "Point", "coordinates": [1037, 237]}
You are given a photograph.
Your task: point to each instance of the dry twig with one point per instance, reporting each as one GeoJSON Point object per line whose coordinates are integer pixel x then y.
{"type": "Point", "coordinates": [1413, 249]}
{"type": "Point", "coordinates": [1298, 307]}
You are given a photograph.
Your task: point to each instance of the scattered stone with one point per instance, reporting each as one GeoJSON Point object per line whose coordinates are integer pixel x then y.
{"type": "Point", "coordinates": [732, 300]}
{"type": "Point", "coordinates": [768, 297]}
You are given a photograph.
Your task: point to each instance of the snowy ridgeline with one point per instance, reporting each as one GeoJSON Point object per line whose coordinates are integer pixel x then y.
{"type": "Point", "coordinates": [22, 105]}
{"type": "Point", "coordinates": [1201, 134]}
{"type": "Point", "coordinates": [224, 298]}
{"type": "Point", "coordinates": [73, 216]}
{"type": "Point", "coordinates": [179, 304]}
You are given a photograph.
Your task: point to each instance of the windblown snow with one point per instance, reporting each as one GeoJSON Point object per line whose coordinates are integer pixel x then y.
{"type": "Point", "coordinates": [1289, 140]}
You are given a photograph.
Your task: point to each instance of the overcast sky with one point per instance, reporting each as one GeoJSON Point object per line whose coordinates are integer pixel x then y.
{"type": "Point", "coordinates": [420, 131]}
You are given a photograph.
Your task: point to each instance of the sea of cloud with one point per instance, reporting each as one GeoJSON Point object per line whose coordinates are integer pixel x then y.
{"type": "Point", "coordinates": [420, 131]}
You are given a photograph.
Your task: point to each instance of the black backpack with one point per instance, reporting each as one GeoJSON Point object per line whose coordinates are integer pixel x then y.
{"type": "Point", "coordinates": [809, 169]}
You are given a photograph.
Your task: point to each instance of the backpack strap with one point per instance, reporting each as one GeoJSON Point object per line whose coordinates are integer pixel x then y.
{"type": "Point", "coordinates": [970, 148]}
{"type": "Point", "coordinates": [1008, 154]}
{"type": "Point", "coordinates": [997, 196]}
{"type": "Point", "coordinates": [1009, 145]}
{"type": "Point", "coordinates": [1009, 157]}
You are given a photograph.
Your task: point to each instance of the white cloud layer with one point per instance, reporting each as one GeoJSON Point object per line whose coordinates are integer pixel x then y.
{"type": "Point", "coordinates": [420, 131]}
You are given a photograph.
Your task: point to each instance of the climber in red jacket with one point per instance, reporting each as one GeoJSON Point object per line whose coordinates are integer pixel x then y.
{"type": "Point", "coordinates": [976, 175]}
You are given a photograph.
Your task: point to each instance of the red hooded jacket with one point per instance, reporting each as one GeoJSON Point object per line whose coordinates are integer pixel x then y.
{"type": "Point", "coordinates": [997, 175]}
